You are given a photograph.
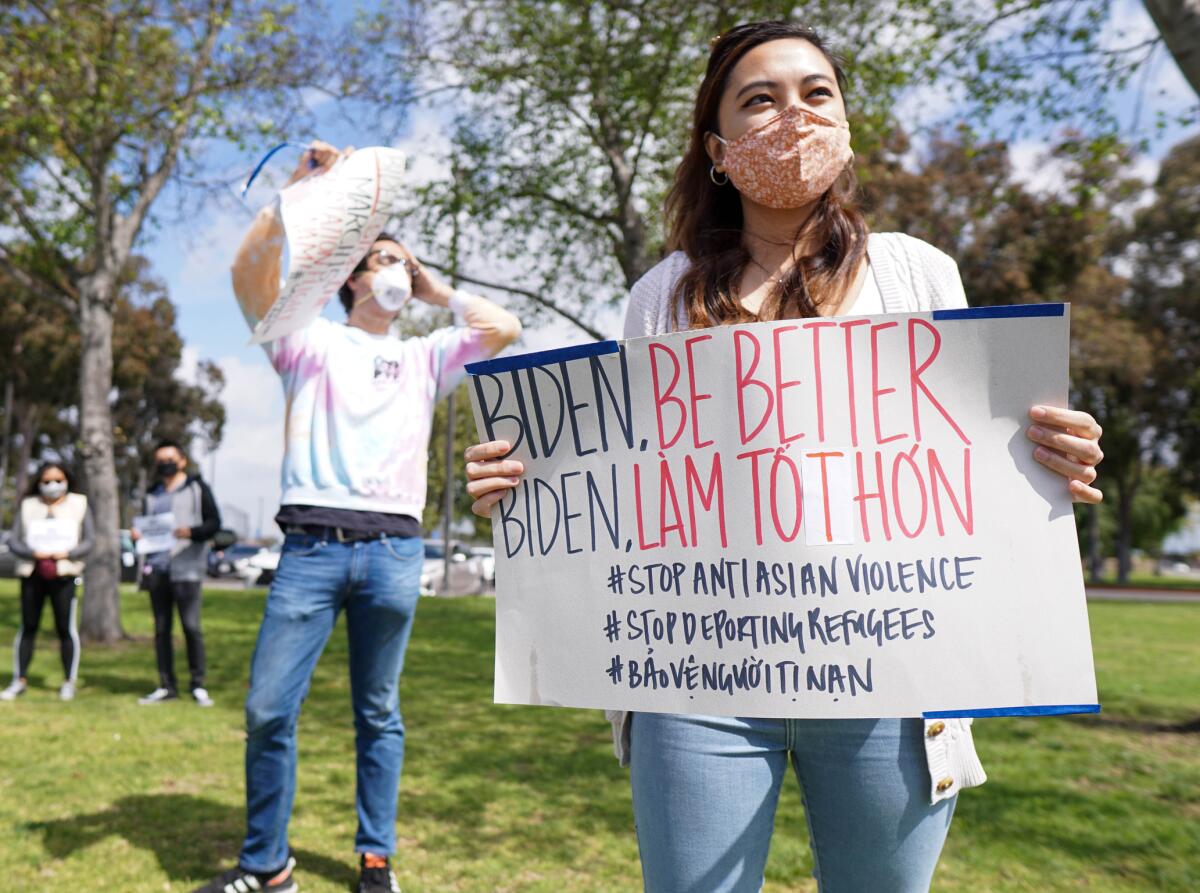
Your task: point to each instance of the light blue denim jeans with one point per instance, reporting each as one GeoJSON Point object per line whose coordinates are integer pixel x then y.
{"type": "Point", "coordinates": [376, 582]}
{"type": "Point", "coordinates": [705, 790]}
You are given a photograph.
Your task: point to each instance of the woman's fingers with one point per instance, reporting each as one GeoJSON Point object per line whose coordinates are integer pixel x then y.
{"type": "Point", "coordinates": [477, 488]}
{"type": "Point", "coordinates": [489, 475]}
{"type": "Point", "coordinates": [1069, 444]}
{"type": "Point", "coordinates": [1079, 423]}
{"type": "Point", "coordinates": [1079, 477]}
{"type": "Point", "coordinates": [1084, 450]}
{"type": "Point", "coordinates": [483, 505]}
{"type": "Point", "coordinates": [1081, 492]}
{"type": "Point", "coordinates": [1065, 465]}
{"type": "Point", "coordinates": [504, 468]}
{"type": "Point", "coordinates": [481, 452]}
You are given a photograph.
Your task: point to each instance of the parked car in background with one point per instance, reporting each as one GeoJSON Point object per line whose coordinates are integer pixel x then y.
{"type": "Point", "coordinates": [259, 568]}
{"type": "Point", "coordinates": [485, 558]}
{"type": "Point", "coordinates": [129, 558]}
{"type": "Point", "coordinates": [466, 576]}
{"type": "Point", "coordinates": [225, 562]}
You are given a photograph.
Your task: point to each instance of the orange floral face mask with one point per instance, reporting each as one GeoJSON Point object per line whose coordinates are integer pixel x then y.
{"type": "Point", "coordinates": [790, 160]}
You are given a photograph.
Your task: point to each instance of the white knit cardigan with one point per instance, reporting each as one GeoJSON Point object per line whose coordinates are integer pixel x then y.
{"type": "Point", "coordinates": [912, 276]}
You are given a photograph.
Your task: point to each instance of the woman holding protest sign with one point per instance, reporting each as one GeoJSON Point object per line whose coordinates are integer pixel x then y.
{"type": "Point", "coordinates": [51, 535]}
{"type": "Point", "coordinates": [764, 226]}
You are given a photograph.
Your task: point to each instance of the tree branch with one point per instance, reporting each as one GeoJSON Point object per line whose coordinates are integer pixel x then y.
{"type": "Point", "coordinates": [523, 292]}
{"type": "Point", "coordinates": [48, 291]}
{"type": "Point", "coordinates": [127, 227]}
{"type": "Point", "coordinates": [65, 187]}
{"type": "Point", "coordinates": [569, 207]}
{"type": "Point", "coordinates": [31, 227]}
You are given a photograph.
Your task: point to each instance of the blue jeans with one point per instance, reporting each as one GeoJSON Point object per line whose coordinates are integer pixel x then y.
{"type": "Point", "coordinates": [377, 583]}
{"type": "Point", "coordinates": [705, 790]}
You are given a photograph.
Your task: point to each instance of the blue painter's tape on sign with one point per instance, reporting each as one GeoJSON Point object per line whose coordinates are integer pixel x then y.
{"type": "Point", "coordinates": [1046, 710]}
{"type": "Point", "coordinates": [542, 357]}
{"type": "Point", "coordinates": [1015, 311]}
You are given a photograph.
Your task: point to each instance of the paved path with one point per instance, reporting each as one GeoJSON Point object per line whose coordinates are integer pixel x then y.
{"type": "Point", "coordinates": [1112, 594]}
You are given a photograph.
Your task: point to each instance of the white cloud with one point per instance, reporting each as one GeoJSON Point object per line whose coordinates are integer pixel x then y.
{"type": "Point", "coordinates": [203, 277]}
{"type": "Point", "coordinates": [1033, 166]}
{"type": "Point", "coordinates": [426, 143]}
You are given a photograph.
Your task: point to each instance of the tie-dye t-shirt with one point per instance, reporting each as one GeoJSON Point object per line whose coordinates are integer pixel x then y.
{"type": "Point", "coordinates": [359, 409]}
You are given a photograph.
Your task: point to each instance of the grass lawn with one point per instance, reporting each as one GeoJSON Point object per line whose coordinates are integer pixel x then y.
{"type": "Point", "coordinates": [103, 795]}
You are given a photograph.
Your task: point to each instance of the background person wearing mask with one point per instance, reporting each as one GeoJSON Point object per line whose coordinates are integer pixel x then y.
{"type": "Point", "coordinates": [51, 535]}
{"type": "Point", "coordinates": [173, 577]}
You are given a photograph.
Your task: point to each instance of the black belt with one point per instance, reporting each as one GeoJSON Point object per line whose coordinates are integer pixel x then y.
{"type": "Point", "coordinates": [337, 534]}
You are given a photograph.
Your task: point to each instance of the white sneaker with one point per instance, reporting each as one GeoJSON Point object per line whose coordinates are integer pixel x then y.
{"type": "Point", "coordinates": [201, 696]}
{"type": "Point", "coordinates": [15, 689]}
{"type": "Point", "coordinates": [66, 691]}
{"type": "Point", "coordinates": [158, 696]}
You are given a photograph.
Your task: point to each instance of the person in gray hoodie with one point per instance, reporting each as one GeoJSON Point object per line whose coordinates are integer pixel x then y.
{"type": "Point", "coordinates": [173, 577]}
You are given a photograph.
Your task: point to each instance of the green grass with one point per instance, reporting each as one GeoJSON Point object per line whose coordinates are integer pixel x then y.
{"type": "Point", "coordinates": [103, 795]}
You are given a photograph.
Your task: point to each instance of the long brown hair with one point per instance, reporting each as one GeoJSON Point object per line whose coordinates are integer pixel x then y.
{"type": "Point", "coordinates": [705, 220]}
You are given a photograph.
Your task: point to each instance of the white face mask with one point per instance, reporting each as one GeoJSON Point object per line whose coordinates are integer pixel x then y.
{"type": "Point", "coordinates": [391, 287]}
{"type": "Point", "coordinates": [52, 489]}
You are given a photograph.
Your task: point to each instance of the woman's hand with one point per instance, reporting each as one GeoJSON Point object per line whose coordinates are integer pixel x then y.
{"type": "Point", "coordinates": [1069, 443]}
{"type": "Point", "coordinates": [183, 533]}
{"type": "Point", "coordinates": [488, 476]}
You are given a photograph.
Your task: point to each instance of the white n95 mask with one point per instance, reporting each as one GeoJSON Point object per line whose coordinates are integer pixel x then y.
{"type": "Point", "coordinates": [391, 287]}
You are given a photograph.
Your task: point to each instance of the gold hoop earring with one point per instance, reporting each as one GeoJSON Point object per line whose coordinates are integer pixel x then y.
{"type": "Point", "coordinates": [712, 175]}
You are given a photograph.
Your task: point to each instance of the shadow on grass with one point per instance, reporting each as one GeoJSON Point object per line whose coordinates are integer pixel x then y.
{"type": "Point", "coordinates": [134, 686]}
{"type": "Point", "coordinates": [1109, 831]}
{"type": "Point", "coordinates": [1146, 726]}
{"type": "Point", "coordinates": [191, 837]}
{"type": "Point", "coordinates": [492, 775]}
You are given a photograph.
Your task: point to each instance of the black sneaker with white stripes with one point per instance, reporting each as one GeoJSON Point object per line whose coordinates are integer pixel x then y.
{"type": "Point", "coordinates": [378, 878]}
{"type": "Point", "coordinates": [238, 880]}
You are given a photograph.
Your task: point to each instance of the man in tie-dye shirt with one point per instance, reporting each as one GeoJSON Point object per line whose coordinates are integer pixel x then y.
{"type": "Point", "coordinates": [359, 404]}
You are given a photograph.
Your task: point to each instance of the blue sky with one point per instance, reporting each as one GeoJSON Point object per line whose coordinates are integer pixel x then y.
{"type": "Point", "coordinates": [192, 255]}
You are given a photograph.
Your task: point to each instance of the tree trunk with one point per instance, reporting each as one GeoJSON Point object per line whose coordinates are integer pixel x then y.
{"type": "Point", "coordinates": [1178, 21]}
{"type": "Point", "coordinates": [101, 603]}
{"type": "Point", "coordinates": [1095, 556]}
{"type": "Point", "coordinates": [1125, 493]}
{"type": "Point", "coordinates": [6, 449]}
{"type": "Point", "coordinates": [28, 416]}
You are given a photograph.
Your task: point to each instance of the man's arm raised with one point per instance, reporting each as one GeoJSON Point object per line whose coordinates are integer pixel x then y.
{"type": "Point", "coordinates": [256, 266]}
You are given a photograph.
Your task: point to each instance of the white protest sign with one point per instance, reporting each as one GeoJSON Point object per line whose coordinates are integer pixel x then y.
{"type": "Point", "coordinates": [330, 221]}
{"type": "Point", "coordinates": [52, 535]}
{"type": "Point", "coordinates": [156, 533]}
{"type": "Point", "coordinates": [809, 518]}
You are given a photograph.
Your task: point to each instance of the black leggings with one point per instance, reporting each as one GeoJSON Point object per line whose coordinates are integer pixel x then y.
{"type": "Point", "coordinates": [35, 591]}
{"type": "Point", "coordinates": [164, 595]}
